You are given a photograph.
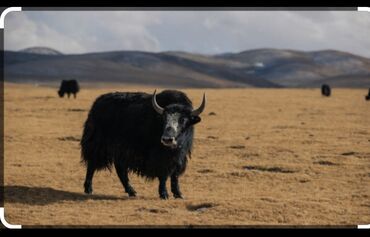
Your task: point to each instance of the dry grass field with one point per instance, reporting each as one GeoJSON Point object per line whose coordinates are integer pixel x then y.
{"type": "Point", "coordinates": [263, 157]}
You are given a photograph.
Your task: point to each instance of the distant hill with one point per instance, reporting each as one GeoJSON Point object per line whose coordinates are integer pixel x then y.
{"type": "Point", "coordinates": [41, 50]}
{"type": "Point", "coordinates": [253, 68]}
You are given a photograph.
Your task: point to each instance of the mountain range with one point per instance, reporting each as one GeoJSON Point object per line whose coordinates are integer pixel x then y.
{"type": "Point", "coordinates": [266, 67]}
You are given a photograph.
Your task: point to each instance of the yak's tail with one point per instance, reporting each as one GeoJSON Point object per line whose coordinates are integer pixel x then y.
{"type": "Point", "coordinates": [94, 152]}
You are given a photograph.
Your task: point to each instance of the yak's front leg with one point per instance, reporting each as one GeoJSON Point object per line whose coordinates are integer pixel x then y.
{"type": "Point", "coordinates": [175, 188]}
{"type": "Point", "coordinates": [123, 176]}
{"type": "Point", "coordinates": [163, 194]}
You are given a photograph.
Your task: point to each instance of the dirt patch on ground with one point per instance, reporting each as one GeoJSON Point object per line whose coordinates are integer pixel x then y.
{"type": "Point", "coordinates": [69, 138]}
{"type": "Point", "coordinates": [325, 162]}
{"type": "Point", "coordinates": [269, 169]}
{"type": "Point", "coordinates": [200, 207]}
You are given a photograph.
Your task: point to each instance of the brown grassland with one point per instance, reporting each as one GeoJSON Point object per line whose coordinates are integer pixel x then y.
{"type": "Point", "coordinates": [263, 157]}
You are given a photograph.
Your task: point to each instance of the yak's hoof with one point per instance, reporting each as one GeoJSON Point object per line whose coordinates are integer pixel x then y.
{"type": "Point", "coordinates": [163, 195]}
{"type": "Point", "coordinates": [178, 195]}
{"type": "Point", "coordinates": [88, 190]}
{"type": "Point", "coordinates": [132, 194]}
{"type": "Point", "coordinates": [88, 187]}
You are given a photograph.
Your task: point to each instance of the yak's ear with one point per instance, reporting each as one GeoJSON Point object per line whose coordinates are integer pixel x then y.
{"type": "Point", "coordinates": [194, 119]}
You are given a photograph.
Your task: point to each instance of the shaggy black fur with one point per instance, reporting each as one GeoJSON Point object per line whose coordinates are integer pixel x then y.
{"type": "Point", "coordinates": [367, 97]}
{"type": "Point", "coordinates": [69, 87]}
{"type": "Point", "coordinates": [325, 90]}
{"type": "Point", "coordinates": [123, 129]}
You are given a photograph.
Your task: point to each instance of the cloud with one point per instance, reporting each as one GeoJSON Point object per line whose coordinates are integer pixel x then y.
{"type": "Point", "coordinates": [80, 32]}
{"type": "Point", "coordinates": [22, 32]}
{"type": "Point", "coordinates": [346, 31]}
{"type": "Point", "coordinates": [206, 32]}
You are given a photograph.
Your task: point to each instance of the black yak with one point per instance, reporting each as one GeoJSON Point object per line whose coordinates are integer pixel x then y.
{"type": "Point", "coordinates": [150, 135]}
{"type": "Point", "coordinates": [367, 97]}
{"type": "Point", "coordinates": [69, 87]}
{"type": "Point", "coordinates": [325, 90]}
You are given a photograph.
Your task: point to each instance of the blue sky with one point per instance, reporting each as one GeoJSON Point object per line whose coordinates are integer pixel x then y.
{"type": "Point", "coordinates": [206, 32]}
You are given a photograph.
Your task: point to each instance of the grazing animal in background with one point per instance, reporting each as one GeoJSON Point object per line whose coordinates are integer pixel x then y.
{"type": "Point", "coordinates": [150, 135]}
{"type": "Point", "coordinates": [325, 90]}
{"type": "Point", "coordinates": [367, 97]}
{"type": "Point", "coordinates": [69, 87]}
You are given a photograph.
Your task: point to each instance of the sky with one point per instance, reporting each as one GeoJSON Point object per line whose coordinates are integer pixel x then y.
{"type": "Point", "coordinates": [204, 32]}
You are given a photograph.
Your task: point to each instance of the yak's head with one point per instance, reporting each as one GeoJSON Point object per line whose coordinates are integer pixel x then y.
{"type": "Point", "coordinates": [60, 93]}
{"type": "Point", "coordinates": [177, 120]}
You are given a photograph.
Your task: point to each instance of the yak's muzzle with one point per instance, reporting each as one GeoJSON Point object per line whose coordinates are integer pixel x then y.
{"type": "Point", "coordinates": [169, 141]}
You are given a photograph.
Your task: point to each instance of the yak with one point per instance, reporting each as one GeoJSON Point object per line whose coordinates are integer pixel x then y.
{"type": "Point", "coordinates": [149, 135]}
{"type": "Point", "coordinates": [325, 90]}
{"type": "Point", "coordinates": [69, 87]}
{"type": "Point", "coordinates": [367, 97]}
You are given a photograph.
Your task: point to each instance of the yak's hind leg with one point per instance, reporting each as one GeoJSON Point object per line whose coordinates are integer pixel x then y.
{"type": "Point", "coordinates": [89, 177]}
{"type": "Point", "coordinates": [123, 176]}
{"type": "Point", "coordinates": [175, 188]}
{"type": "Point", "coordinates": [163, 194]}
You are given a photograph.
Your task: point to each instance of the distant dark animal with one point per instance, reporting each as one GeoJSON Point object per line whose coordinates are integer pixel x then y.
{"type": "Point", "coordinates": [367, 97]}
{"type": "Point", "coordinates": [69, 87]}
{"type": "Point", "coordinates": [325, 90]}
{"type": "Point", "coordinates": [150, 135]}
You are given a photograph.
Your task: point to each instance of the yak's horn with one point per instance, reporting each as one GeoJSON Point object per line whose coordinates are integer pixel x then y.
{"type": "Point", "coordinates": [156, 107]}
{"type": "Point", "coordinates": [201, 107]}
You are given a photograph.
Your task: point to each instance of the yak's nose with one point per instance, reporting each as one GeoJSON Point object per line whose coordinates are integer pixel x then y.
{"type": "Point", "coordinates": [168, 141]}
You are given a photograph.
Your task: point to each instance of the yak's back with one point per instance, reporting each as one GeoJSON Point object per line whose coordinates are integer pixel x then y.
{"type": "Point", "coordinates": [69, 86]}
{"type": "Point", "coordinates": [123, 99]}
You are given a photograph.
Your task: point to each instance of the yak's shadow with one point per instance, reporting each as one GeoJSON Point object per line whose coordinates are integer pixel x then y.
{"type": "Point", "coordinates": [45, 195]}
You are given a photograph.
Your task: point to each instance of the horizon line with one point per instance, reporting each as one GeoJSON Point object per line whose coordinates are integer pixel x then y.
{"type": "Point", "coordinates": [184, 51]}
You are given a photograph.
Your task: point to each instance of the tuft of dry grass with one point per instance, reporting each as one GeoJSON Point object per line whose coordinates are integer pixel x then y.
{"type": "Point", "coordinates": [307, 159]}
